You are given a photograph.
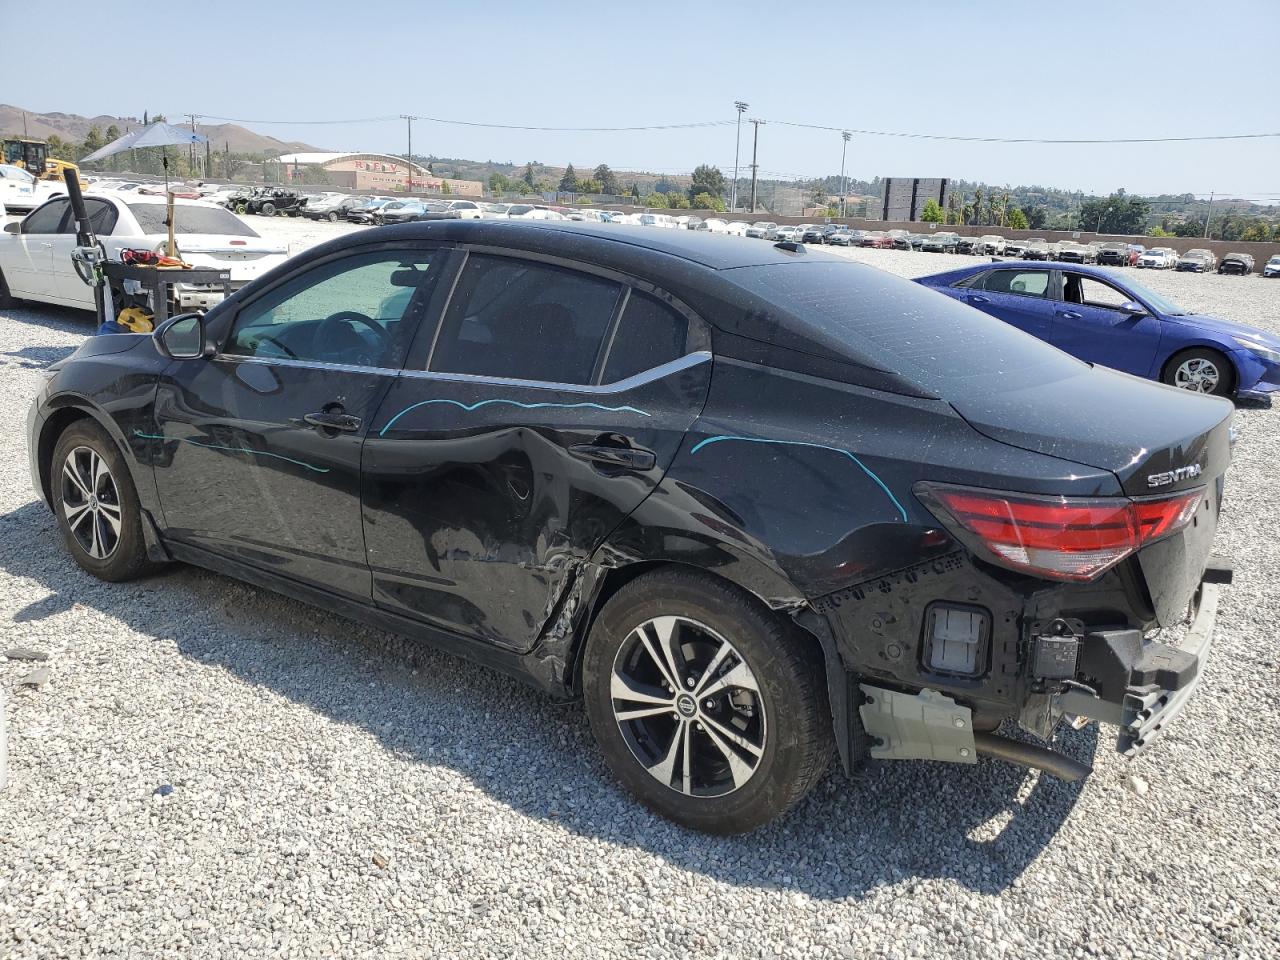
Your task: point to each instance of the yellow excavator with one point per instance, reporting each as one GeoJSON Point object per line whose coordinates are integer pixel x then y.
{"type": "Point", "coordinates": [33, 156]}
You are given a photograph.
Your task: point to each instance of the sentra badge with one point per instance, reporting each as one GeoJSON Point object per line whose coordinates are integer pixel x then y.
{"type": "Point", "coordinates": [1173, 476]}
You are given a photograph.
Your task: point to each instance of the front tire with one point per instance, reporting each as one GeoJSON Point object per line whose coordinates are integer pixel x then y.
{"type": "Point", "coordinates": [96, 504]}
{"type": "Point", "coordinates": [333, 217]}
{"type": "Point", "coordinates": [1201, 370]}
{"type": "Point", "coordinates": [706, 706]}
{"type": "Point", "coordinates": [268, 210]}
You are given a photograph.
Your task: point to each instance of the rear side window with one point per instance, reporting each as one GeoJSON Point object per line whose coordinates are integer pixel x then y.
{"type": "Point", "coordinates": [526, 321]}
{"type": "Point", "coordinates": [1022, 283]}
{"type": "Point", "coordinates": [649, 335]}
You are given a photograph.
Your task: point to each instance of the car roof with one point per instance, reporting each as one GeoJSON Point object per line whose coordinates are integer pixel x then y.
{"type": "Point", "coordinates": [574, 239]}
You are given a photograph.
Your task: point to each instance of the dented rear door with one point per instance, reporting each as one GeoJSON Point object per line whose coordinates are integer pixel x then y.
{"type": "Point", "coordinates": [548, 404]}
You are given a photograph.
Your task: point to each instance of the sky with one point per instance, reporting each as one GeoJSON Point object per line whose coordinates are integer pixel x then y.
{"type": "Point", "coordinates": [1048, 70]}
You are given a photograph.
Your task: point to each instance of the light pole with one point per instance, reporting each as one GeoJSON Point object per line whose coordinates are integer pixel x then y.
{"type": "Point", "coordinates": [844, 184]}
{"type": "Point", "coordinates": [409, 120]}
{"type": "Point", "coordinates": [741, 107]}
{"type": "Point", "coordinates": [1208, 215]}
{"type": "Point", "coordinates": [755, 142]}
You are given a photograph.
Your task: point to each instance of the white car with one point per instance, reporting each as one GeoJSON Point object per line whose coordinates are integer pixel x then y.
{"type": "Point", "coordinates": [1158, 258]}
{"type": "Point", "coordinates": [35, 254]}
{"type": "Point", "coordinates": [1272, 268]}
{"type": "Point", "coordinates": [738, 228]}
{"type": "Point", "coordinates": [992, 243]}
{"type": "Point", "coordinates": [528, 211]}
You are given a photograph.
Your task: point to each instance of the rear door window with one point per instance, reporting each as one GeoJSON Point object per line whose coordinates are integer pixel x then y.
{"type": "Point", "coordinates": [524, 320]}
{"type": "Point", "coordinates": [649, 334]}
{"type": "Point", "coordinates": [1019, 283]}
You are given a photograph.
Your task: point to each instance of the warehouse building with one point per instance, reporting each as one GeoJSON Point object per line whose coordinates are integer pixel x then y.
{"type": "Point", "coordinates": [378, 172]}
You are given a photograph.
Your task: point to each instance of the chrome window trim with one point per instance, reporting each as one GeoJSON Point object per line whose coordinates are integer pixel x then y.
{"type": "Point", "coordinates": [307, 364]}
{"type": "Point", "coordinates": [640, 379]}
{"type": "Point", "coordinates": [620, 386]}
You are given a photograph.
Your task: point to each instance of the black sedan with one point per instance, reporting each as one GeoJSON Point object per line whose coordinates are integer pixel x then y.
{"type": "Point", "coordinates": [730, 494]}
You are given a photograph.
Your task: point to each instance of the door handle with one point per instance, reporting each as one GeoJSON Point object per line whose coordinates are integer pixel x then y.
{"type": "Point", "coordinates": [974, 298]}
{"type": "Point", "coordinates": [626, 458]}
{"type": "Point", "coordinates": [1070, 314]}
{"type": "Point", "coordinates": [46, 243]}
{"type": "Point", "coordinates": [334, 421]}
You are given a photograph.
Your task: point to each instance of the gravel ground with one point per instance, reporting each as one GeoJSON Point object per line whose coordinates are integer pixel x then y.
{"type": "Point", "coordinates": [215, 771]}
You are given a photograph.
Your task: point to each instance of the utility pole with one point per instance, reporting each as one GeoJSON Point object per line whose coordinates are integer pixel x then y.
{"type": "Point", "coordinates": [755, 143]}
{"type": "Point", "coordinates": [191, 147]}
{"type": "Point", "coordinates": [844, 184]}
{"type": "Point", "coordinates": [408, 118]}
{"type": "Point", "coordinates": [741, 107]}
{"type": "Point", "coordinates": [1208, 214]}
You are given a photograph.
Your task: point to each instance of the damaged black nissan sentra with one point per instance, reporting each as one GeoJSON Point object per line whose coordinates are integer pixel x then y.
{"type": "Point", "coordinates": [750, 501]}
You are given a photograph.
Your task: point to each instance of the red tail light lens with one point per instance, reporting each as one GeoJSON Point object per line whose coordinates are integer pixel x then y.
{"type": "Point", "coordinates": [1063, 538]}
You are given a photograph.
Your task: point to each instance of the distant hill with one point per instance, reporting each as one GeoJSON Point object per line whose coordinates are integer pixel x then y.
{"type": "Point", "coordinates": [70, 126]}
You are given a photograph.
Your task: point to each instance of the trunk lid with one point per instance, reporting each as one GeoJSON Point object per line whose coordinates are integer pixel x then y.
{"type": "Point", "coordinates": [1156, 440]}
{"type": "Point", "coordinates": [227, 248]}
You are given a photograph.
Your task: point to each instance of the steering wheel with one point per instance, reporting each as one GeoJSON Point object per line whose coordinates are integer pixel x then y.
{"type": "Point", "coordinates": [330, 323]}
{"type": "Point", "coordinates": [267, 338]}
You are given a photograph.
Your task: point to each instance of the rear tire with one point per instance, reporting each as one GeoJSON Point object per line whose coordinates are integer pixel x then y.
{"type": "Point", "coordinates": [268, 210]}
{"type": "Point", "coordinates": [1201, 370]}
{"type": "Point", "coordinates": [96, 504]}
{"type": "Point", "coordinates": [731, 727]}
{"type": "Point", "coordinates": [333, 217]}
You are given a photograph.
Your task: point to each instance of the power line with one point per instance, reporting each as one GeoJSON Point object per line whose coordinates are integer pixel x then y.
{"type": "Point", "coordinates": [389, 117]}
{"type": "Point", "coordinates": [492, 126]}
{"type": "Point", "coordinates": [939, 136]}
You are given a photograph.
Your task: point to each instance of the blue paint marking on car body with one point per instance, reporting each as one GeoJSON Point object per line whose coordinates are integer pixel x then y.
{"type": "Point", "coordinates": [472, 407]}
{"type": "Point", "coordinates": [216, 446]}
{"type": "Point", "coordinates": [816, 446]}
{"type": "Point", "coordinates": [1141, 344]}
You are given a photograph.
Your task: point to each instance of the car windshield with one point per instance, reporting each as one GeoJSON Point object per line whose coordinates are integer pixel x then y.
{"type": "Point", "coordinates": [860, 315]}
{"type": "Point", "coordinates": [1154, 300]}
{"type": "Point", "coordinates": [188, 219]}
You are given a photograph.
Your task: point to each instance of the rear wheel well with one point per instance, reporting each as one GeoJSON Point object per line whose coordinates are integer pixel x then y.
{"type": "Point", "coordinates": [618, 577]}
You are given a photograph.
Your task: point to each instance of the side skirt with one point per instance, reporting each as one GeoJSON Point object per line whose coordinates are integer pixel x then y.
{"type": "Point", "coordinates": [523, 667]}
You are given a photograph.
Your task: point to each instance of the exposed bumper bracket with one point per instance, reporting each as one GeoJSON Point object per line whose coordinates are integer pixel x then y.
{"type": "Point", "coordinates": [924, 726]}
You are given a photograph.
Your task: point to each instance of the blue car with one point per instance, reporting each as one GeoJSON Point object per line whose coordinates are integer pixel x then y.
{"type": "Point", "coordinates": [1103, 319]}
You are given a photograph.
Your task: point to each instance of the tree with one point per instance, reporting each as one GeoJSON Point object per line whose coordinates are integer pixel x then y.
{"type": "Point", "coordinates": [1036, 218]}
{"type": "Point", "coordinates": [590, 186]}
{"type": "Point", "coordinates": [93, 140]}
{"type": "Point", "coordinates": [677, 201]}
{"type": "Point", "coordinates": [569, 182]}
{"type": "Point", "coordinates": [1114, 214]}
{"type": "Point", "coordinates": [444, 187]}
{"type": "Point", "coordinates": [528, 175]}
{"type": "Point", "coordinates": [1189, 228]}
{"type": "Point", "coordinates": [499, 184]}
{"type": "Point", "coordinates": [607, 179]}
{"type": "Point", "coordinates": [978, 214]}
{"type": "Point", "coordinates": [705, 201]}
{"type": "Point", "coordinates": [1158, 231]}
{"type": "Point", "coordinates": [1257, 231]}
{"type": "Point", "coordinates": [664, 185]}
{"type": "Point", "coordinates": [932, 212]}
{"type": "Point", "coordinates": [706, 179]}
{"type": "Point", "coordinates": [1017, 220]}
{"type": "Point", "coordinates": [656, 200]}
{"type": "Point", "coordinates": [113, 133]}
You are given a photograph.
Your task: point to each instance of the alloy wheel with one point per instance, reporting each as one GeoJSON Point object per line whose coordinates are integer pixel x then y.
{"type": "Point", "coordinates": [91, 502]}
{"type": "Point", "coordinates": [1197, 374]}
{"type": "Point", "coordinates": [688, 706]}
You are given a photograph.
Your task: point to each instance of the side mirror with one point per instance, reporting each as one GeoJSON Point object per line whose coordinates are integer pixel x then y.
{"type": "Point", "coordinates": [1133, 308]}
{"type": "Point", "coordinates": [182, 337]}
{"type": "Point", "coordinates": [15, 227]}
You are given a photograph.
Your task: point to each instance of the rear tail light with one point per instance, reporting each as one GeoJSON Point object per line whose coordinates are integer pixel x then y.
{"type": "Point", "coordinates": [1062, 538]}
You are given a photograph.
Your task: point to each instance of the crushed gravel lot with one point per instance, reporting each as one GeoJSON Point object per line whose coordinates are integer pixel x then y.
{"type": "Point", "coordinates": [215, 771]}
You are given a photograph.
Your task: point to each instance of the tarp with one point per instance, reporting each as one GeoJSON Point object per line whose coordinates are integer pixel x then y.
{"type": "Point", "coordinates": [156, 135]}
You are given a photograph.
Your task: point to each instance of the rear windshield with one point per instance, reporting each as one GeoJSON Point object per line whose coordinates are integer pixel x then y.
{"type": "Point", "coordinates": [190, 219]}
{"type": "Point", "coordinates": [855, 313]}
